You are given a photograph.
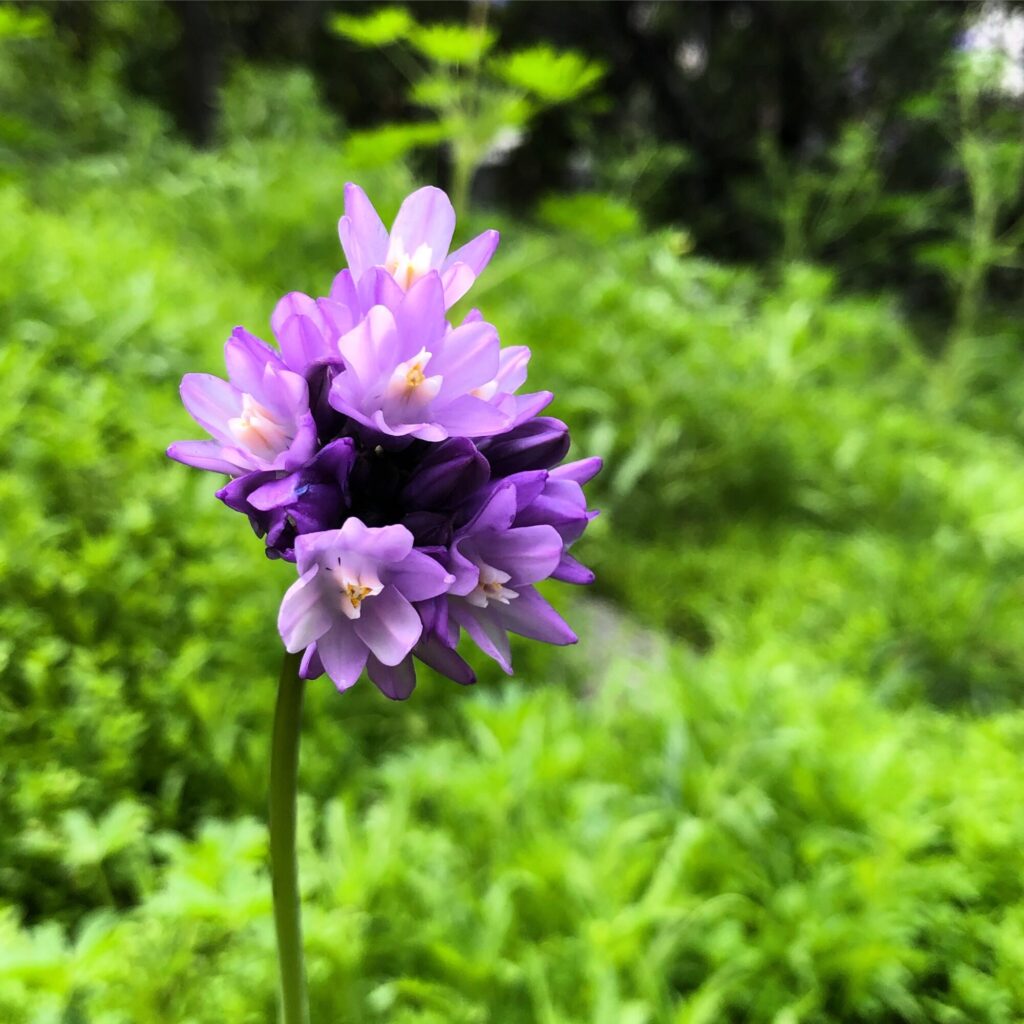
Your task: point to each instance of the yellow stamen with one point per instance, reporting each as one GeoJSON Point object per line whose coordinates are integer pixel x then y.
{"type": "Point", "coordinates": [356, 593]}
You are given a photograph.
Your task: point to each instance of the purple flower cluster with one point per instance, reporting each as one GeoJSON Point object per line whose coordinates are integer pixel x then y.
{"type": "Point", "coordinates": [390, 455]}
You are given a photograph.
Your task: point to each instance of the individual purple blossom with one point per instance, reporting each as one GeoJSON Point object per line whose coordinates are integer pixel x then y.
{"type": "Point", "coordinates": [354, 600]}
{"type": "Point", "coordinates": [495, 565]}
{"type": "Point", "coordinates": [408, 373]}
{"type": "Point", "coordinates": [417, 244]}
{"type": "Point", "coordinates": [259, 418]}
{"type": "Point", "coordinates": [308, 329]}
{"type": "Point", "coordinates": [562, 505]}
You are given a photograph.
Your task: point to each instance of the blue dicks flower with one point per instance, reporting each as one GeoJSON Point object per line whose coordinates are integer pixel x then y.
{"type": "Point", "coordinates": [259, 418]}
{"type": "Point", "coordinates": [496, 564]}
{"type": "Point", "coordinates": [409, 374]}
{"type": "Point", "coordinates": [353, 599]}
{"type": "Point", "coordinates": [390, 455]}
{"type": "Point", "coordinates": [417, 244]}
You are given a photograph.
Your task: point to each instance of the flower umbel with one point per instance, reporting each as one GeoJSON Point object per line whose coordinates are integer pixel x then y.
{"type": "Point", "coordinates": [388, 453]}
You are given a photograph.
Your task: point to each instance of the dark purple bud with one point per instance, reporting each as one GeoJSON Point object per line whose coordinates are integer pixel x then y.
{"type": "Point", "coordinates": [449, 473]}
{"type": "Point", "coordinates": [235, 494]}
{"type": "Point", "coordinates": [539, 443]}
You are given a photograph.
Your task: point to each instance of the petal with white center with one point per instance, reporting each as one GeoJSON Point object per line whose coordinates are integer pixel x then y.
{"type": "Point", "coordinates": [426, 217]}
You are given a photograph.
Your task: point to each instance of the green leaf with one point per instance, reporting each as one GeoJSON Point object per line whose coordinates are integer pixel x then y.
{"type": "Point", "coordinates": [452, 44]}
{"type": "Point", "coordinates": [385, 26]}
{"type": "Point", "coordinates": [378, 147]}
{"type": "Point", "coordinates": [554, 76]}
{"type": "Point", "coordinates": [437, 91]}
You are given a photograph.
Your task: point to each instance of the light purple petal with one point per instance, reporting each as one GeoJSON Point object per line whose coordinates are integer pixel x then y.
{"type": "Point", "coordinates": [530, 485]}
{"type": "Point", "coordinates": [484, 630]}
{"type": "Point", "coordinates": [247, 358]}
{"type": "Point", "coordinates": [338, 318]}
{"type": "Point", "coordinates": [427, 217]}
{"type": "Point", "coordinates": [561, 505]}
{"type": "Point", "coordinates": [424, 431]}
{"type": "Point", "coordinates": [204, 455]}
{"type": "Point", "coordinates": [275, 493]}
{"type": "Point", "coordinates": [512, 368]}
{"type": "Point", "coordinates": [456, 280]}
{"type": "Point", "coordinates": [524, 407]}
{"type": "Point", "coordinates": [364, 238]}
{"type": "Point", "coordinates": [388, 625]}
{"type": "Point", "coordinates": [303, 445]}
{"type": "Point", "coordinates": [344, 395]}
{"type": "Point", "coordinates": [470, 416]}
{"type": "Point", "coordinates": [420, 317]}
{"type": "Point", "coordinates": [418, 577]}
{"type": "Point", "coordinates": [531, 616]}
{"type": "Point", "coordinates": [304, 617]}
{"type": "Point", "coordinates": [343, 654]}
{"type": "Point", "coordinates": [378, 288]}
{"type": "Point", "coordinates": [581, 471]}
{"type": "Point", "coordinates": [292, 304]}
{"type": "Point", "coordinates": [211, 402]}
{"type": "Point", "coordinates": [461, 269]}
{"type": "Point", "coordinates": [528, 553]}
{"type": "Point", "coordinates": [475, 254]}
{"type": "Point", "coordinates": [302, 342]}
{"type": "Point", "coordinates": [385, 543]}
{"type": "Point", "coordinates": [468, 359]}
{"type": "Point", "coordinates": [343, 290]}
{"type": "Point", "coordinates": [371, 346]}
{"type": "Point", "coordinates": [283, 391]}
{"type": "Point", "coordinates": [466, 572]}
{"type": "Point", "coordinates": [394, 681]}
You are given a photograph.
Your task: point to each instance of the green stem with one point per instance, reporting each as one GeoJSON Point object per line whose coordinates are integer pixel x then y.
{"type": "Point", "coordinates": [284, 770]}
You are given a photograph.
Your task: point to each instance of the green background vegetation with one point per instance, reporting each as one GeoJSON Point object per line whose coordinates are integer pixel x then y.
{"type": "Point", "coordinates": [780, 778]}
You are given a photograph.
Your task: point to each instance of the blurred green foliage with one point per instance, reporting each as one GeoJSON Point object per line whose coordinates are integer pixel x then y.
{"type": "Point", "coordinates": [778, 781]}
{"type": "Point", "coordinates": [480, 102]}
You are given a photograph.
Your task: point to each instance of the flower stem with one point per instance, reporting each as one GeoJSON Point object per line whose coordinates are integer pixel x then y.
{"type": "Point", "coordinates": [284, 769]}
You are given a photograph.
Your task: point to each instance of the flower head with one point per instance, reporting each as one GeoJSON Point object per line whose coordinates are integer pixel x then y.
{"type": "Point", "coordinates": [390, 455]}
